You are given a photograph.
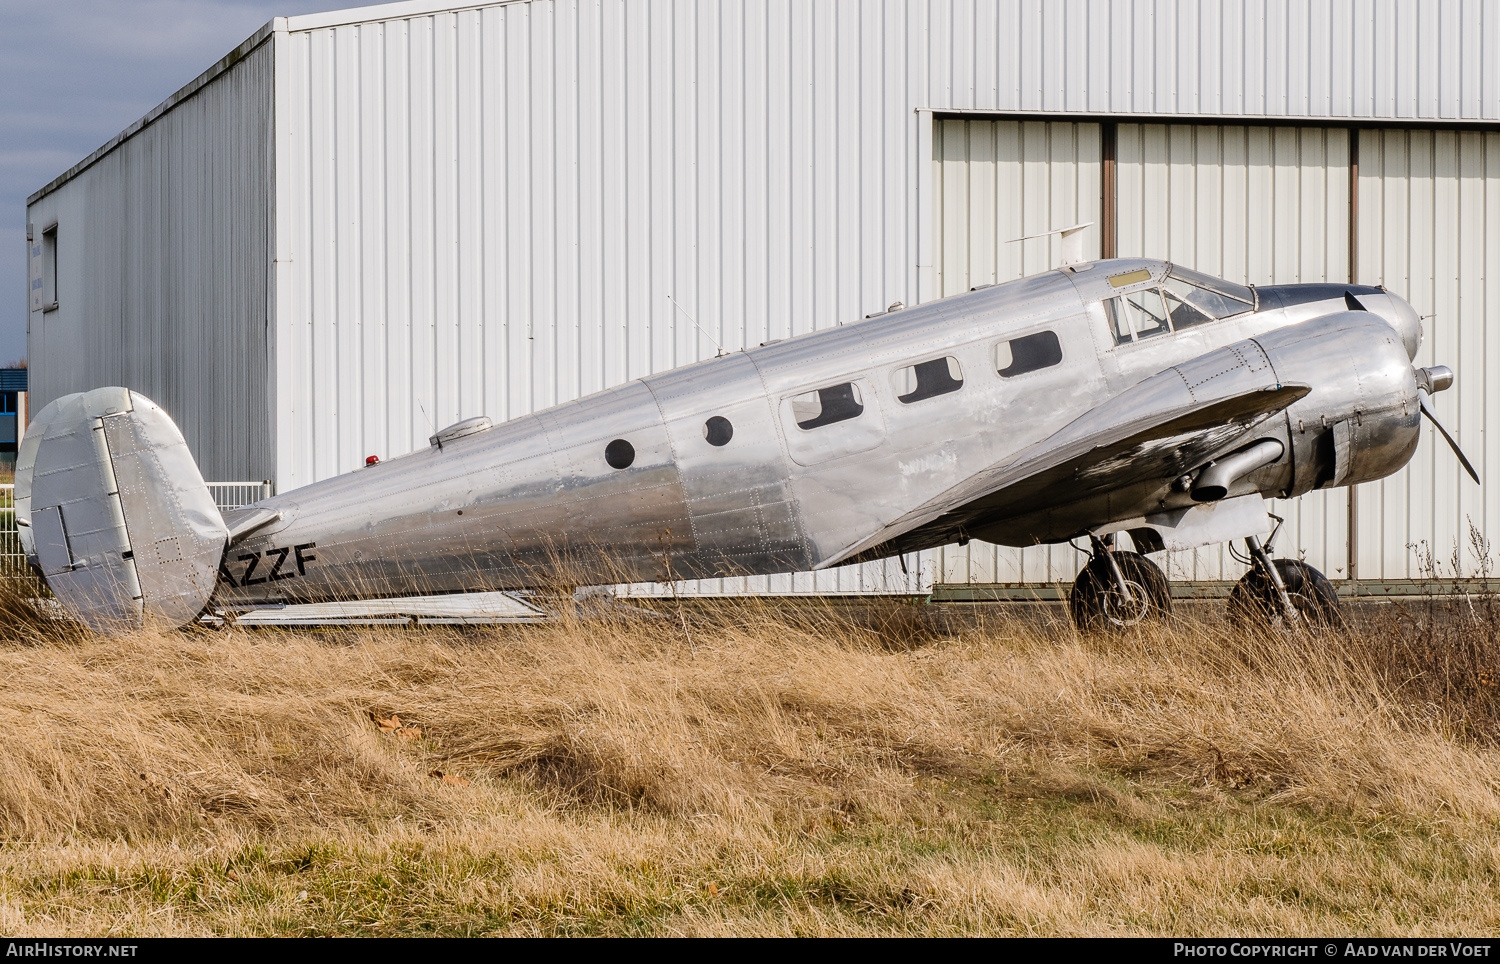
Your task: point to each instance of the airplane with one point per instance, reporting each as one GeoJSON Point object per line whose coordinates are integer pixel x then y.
{"type": "Point", "coordinates": [1130, 396]}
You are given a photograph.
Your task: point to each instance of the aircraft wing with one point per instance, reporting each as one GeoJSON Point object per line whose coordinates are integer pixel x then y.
{"type": "Point", "coordinates": [1156, 430]}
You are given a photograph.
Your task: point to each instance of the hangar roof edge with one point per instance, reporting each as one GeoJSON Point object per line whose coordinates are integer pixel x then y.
{"type": "Point", "coordinates": [311, 21]}
{"type": "Point", "coordinates": [387, 11]}
{"type": "Point", "coordinates": [1442, 115]}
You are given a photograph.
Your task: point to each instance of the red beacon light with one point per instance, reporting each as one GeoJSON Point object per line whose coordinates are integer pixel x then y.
{"type": "Point", "coordinates": [372, 460]}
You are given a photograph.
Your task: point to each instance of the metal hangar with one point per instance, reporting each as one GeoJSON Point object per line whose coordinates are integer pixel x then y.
{"type": "Point", "coordinates": [361, 226]}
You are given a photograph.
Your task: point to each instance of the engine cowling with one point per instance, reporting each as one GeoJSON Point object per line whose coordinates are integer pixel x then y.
{"type": "Point", "coordinates": [1361, 421]}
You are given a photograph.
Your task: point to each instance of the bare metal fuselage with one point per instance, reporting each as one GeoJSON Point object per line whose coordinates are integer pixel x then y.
{"type": "Point", "coordinates": [536, 500]}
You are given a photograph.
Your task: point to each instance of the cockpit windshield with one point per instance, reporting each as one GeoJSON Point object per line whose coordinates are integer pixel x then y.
{"type": "Point", "coordinates": [1214, 297]}
{"type": "Point", "coordinates": [1184, 299]}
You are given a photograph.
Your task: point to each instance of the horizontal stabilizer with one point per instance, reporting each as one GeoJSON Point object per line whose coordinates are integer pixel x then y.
{"type": "Point", "coordinates": [243, 522]}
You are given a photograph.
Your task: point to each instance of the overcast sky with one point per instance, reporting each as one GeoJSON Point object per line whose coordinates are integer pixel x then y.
{"type": "Point", "coordinates": [74, 73]}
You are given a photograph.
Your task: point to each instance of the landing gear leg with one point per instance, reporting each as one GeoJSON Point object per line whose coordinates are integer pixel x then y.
{"type": "Point", "coordinates": [1286, 594]}
{"type": "Point", "coordinates": [1105, 549]}
{"type": "Point", "coordinates": [1273, 576]}
{"type": "Point", "coordinates": [1117, 590]}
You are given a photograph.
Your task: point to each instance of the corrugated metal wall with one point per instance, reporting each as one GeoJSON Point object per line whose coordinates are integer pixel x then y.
{"type": "Point", "coordinates": [163, 271]}
{"type": "Point", "coordinates": [1429, 229]}
{"type": "Point", "coordinates": [1254, 58]}
{"type": "Point", "coordinates": [498, 208]}
{"type": "Point", "coordinates": [495, 210]}
{"type": "Point", "coordinates": [1257, 205]}
{"type": "Point", "coordinates": [993, 183]}
{"type": "Point", "coordinates": [1271, 205]}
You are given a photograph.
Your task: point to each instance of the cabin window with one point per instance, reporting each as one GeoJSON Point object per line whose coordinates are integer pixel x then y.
{"type": "Point", "coordinates": [1214, 296]}
{"type": "Point", "coordinates": [718, 430]}
{"type": "Point", "coordinates": [1028, 353]}
{"type": "Point", "coordinates": [1119, 321]}
{"type": "Point", "coordinates": [837, 403]}
{"type": "Point", "coordinates": [1138, 315]}
{"type": "Point", "coordinates": [619, 454]}
{"type": "Point", "coordinates": [1187, 299]}
{"type": "Point", "coordinates": [928, 379]}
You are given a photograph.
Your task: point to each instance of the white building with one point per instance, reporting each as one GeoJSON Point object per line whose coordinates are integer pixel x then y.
{"type": "Point", "coordinates": [362, 225]}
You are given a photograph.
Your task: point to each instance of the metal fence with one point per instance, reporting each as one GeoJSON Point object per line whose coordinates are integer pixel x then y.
{"type": "Point", "coordinates": [232, 495]}
{"type": "Point", "coordinates": [13, 567]}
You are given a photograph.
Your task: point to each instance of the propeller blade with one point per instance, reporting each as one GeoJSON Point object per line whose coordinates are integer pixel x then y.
{"type": "Point", "coordinates": [1427, 410]}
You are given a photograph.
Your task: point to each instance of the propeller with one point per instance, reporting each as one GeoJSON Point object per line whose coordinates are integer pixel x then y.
{"type": "Point", "coordinates": [1435, 379]}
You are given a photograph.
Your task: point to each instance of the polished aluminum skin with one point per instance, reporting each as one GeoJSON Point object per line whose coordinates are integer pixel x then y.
{"type": "Point", "coordinates": [112, 511]}
{"type": "Point", "coordinates": [1105, 396]}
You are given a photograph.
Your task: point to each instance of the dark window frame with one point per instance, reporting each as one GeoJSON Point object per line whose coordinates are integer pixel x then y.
{"type": "Point", "coordinates": [836, 405]}
{"type": "Point", "coordinates": [933, 377]}
{"type": "Point", "coordinates": [1040, 350]}
{"type": "Point", "coordinates": [49, 268]}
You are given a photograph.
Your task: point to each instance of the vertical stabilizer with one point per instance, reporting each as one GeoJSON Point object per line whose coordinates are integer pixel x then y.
{"type": "Point", "coordinates": [112, 509]}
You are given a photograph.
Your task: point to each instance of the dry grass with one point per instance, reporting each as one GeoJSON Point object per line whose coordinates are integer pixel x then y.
{"type": "Point", "coordinates": [771, 770]}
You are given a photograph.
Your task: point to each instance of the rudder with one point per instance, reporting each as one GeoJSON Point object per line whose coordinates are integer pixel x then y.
{"type": "Point", "coordinates": [112, 509]}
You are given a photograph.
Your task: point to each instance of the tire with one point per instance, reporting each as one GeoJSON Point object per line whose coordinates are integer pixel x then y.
{"type": "Point", "coordinates": [1255, 604]}
{"type": "Point", "coordinates": [1096, 606]}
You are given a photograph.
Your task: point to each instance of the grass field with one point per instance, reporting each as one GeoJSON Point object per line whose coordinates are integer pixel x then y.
{"type": "Point", "coordinates": [754, 768]}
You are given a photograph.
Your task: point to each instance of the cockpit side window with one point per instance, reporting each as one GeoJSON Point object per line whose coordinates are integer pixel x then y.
{"type": "Point", "coordinates": [1149, 313]}
{"type": "Point", "coordinates": [1213, 296]}
{"type": "Point", "coordinates": [827, 406]}
{"type": "Point", "coordinates": [928, 379]}
{"type": "Point", "coordinates": [1211, 303]}
{"type": "Point", "coordinates": [1185, 314]}
{"type": "Point", "coordinates": [1028, 353]}
{"type": "Point", "coordinates": [1119, 320]}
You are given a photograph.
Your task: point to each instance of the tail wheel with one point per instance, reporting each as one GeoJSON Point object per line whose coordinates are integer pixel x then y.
{"type": "Point", "coordinates": [1255, 603]}
{"type": "Point", "coordinates": [1097, 605]}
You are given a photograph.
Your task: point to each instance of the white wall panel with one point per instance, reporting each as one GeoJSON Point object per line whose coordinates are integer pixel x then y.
{"type": "Point", "coordinates": [504, 208]}
{"type": "Point", "coordinates": [1429, 214]}
{"type": "Point", "coordinates": [993, 183]}
{"type": "Point", "coordinates": [1256, 205]}
{"type": "Point", "coordinates": [1251, 58]}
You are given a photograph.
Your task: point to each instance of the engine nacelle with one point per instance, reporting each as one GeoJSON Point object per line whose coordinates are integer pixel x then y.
{"type": "Point", "coordinates": [1361, 421]}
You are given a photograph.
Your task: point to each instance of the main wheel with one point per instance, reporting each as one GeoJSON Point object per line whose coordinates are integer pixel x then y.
{"type": "Point", "coordinates": [1097, 605]}
{"type": "Point", "coordinates": [1254, 601]}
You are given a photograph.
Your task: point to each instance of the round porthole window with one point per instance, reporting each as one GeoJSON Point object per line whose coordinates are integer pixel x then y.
{"type": "Point", "coordinates": [718, 430]}
{"type": "Point", "coordinates": [619, 454]}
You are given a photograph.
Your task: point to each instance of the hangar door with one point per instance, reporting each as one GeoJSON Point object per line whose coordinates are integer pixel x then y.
{"type": "Point", "coordinates": [1258, 205]}
{"type": "Point", "coordinates": [1274, 205]}
{"type": "Point", "coordinates": [1427, 224]}
{"type": "Point", "coordinates": [995, 181]}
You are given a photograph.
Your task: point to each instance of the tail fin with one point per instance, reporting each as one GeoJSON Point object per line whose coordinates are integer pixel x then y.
{"type": "Point", "coordinates": [113, 510]}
